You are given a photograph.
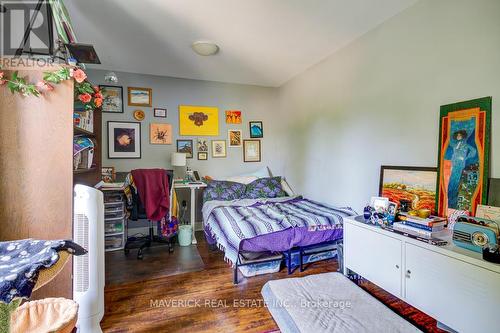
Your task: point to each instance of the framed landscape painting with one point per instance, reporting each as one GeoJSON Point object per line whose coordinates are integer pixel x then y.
{"type": "Point", "coordinates": [198, 120]}
{"type": "Point", "coordinates": [414, 184]}
{"type": "Point", "coordinates": [186, 147]}
{"type": "Point", "coordinates": [112, 99]}
{"type": "Point", "coordinates": [140, 96]}
{"type": "Point", "coordinates": [464, 152]}
{"type": "Point", "coordinates": [124, 139]}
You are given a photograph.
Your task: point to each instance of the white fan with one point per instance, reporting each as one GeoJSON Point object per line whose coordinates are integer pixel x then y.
{"type": "Point", "coordinates": [88, 270]}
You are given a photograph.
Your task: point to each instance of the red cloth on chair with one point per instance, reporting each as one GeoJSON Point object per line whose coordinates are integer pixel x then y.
{"type": "Point", "coordinates": [152, 187]}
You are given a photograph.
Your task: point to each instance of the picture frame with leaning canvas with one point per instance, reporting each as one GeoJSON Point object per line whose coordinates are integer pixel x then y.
{"type": "Point", "coordinates": [463, 156]}
{"type": "Point", "coordinates": [416, 185]}
{"type": "Point", "coordinates": [124, 140]}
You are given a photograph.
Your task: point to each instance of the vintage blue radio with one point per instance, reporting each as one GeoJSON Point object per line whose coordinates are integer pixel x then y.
{"type": "Point", "coordinates": [474, 233]}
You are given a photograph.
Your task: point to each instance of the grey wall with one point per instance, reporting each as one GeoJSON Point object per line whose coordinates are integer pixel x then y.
{"type": "Point", "coordinates": [377, 100]}
{"type": "Point", "coordinates": [256, 103]}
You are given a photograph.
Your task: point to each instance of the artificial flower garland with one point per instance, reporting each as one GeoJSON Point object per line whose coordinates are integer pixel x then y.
{"type": "Point", "coordinates": [90, 96]}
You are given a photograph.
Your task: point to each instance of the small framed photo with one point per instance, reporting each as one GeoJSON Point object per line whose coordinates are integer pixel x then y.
{"type": "Point", "coordinates": [251, 151]}
{"type": "Point", "coordinates": [234, 137]}
{"type": "Point", "coordinates": [160, 134]}
{"type": "Point", "coordinates": [256, 130]}
{"type": "Point", "coordinates": [219, 148]}
{"type": "Point", "coordinates": [392, 208]}
{"type": "Point", "coordinates": [124, 139]}
{"type": "Point", "coordinates": [202, 156]}
{"type": "Point", "coordinates": [108, 174]}
{"type": "Point", "coordinates": [112, 99]}
{"type": "Point", "coordinates": [186, 147]}
{"type": "Point", "coordinates": [160, 113]}
{"type": "Point", "coordinates": [233, 117]}
{"type": "Point", "coordinates": [379, 203]}
{"type": "Point", "coordinates": [202, 145]}
{"type": "Point", "coordinates": [140, 96]}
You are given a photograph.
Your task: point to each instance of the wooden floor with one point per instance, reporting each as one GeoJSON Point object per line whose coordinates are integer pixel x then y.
{"type": "Point", "coordinates": [200, 301]}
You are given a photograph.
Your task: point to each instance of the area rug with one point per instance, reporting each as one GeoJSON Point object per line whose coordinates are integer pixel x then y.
{"type": "Point", "coordinates": [413, 315]}
{"type": "Point", "coordinates": [157, 262]}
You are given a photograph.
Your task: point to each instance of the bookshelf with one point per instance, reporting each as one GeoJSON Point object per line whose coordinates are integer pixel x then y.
{"type": "Point", "coordinates": [89, 175]}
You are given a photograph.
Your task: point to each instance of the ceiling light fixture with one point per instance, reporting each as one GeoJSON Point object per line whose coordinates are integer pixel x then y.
{"type": "Point", "coordinates": [110, 77]}
{"type": "Point", "coordinates": [205, 48]}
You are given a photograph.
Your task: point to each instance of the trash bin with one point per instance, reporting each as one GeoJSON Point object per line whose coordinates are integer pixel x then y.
{"type": "Point", "coordinates": [185, 235]}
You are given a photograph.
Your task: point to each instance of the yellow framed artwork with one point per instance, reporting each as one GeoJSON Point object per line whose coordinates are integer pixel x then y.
{"type": "Point", "coordinates": [198, 120]}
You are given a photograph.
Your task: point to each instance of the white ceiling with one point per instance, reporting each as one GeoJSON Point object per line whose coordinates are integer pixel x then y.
{"type": "Point", "coordinates": [263, 42]}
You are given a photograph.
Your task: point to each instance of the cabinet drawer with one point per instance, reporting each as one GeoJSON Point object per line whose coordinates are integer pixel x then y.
{"type": "Point", "coordinates": [374, 256]}
{"type": "Point", "coordinates": [460, 295]}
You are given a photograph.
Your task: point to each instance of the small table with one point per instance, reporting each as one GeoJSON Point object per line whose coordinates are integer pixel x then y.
{"type": "Point", "coordinates": [193, 186]}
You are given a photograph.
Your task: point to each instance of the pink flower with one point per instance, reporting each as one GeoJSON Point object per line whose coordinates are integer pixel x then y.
{"type": "Point", "coordinates": [44, 85]}
{"type": "Point", "coordinates": [85, 98]}
{"type": "Point", "coordinates": [79, 75]}
{"type": "Point", "coordinates": [1, 78]}
{"type": "Point", "coordinates": [96, 89]}
{"type": "Point", "coordinates": [98, 102]}
{"type": "Point", "coordinates": [98, 95]}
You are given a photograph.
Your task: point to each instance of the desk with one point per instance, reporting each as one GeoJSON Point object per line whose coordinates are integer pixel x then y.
{"type": "Point", "coordinates": [193, 188]}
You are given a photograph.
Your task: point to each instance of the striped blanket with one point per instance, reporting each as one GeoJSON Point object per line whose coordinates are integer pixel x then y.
{"type": "Point", "coordinates": [230, 223]}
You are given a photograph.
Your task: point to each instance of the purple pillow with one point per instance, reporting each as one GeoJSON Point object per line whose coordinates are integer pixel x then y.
{"type": "Point", "coordinates": [265, 188]}
{"type": "Point", "coordinates": [223, 190]}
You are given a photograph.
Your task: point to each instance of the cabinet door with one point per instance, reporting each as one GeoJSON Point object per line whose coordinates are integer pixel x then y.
{"type": "Point", "coordinates": [461, 295]}
{"type": "Point", "coordinates": [374, 256]}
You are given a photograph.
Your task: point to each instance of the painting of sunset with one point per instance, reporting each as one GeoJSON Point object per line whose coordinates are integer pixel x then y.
{"type": "Point", "coordinates": [417, 185]}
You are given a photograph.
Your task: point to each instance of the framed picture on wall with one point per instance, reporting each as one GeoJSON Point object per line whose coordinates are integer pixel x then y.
{"type": "Point", "coordinates": [415, 185]}
{"type": "Point", "coordinates": [233, 117]}
{"type": "Point", "coordinates": [234, 137]}
{"type": "Point", "coordinates": [112, 99]}
{"type": "Point", "coordinates": [202, 145]}
{"type": "Point", "coordinates": [160, 134]}
{"type": "Point", "coordinates": [256, 130]}
{"type": "Point", "coordinates": [186, 147]}
{"type": "Point", "coordinates": [219, 148]}
{"type": "Point", "coordinates": [198, 120]}
{"type": "Point", "coordinates": [124, 139]}
{"type": "Point", "coordinates": [140, 96]}
{"type": "Point", "coordinates": [251, 151]}
{"type": "Point", "coordinates": [202, 156]}
{"type": "Point", "coordinates": [160, 113]}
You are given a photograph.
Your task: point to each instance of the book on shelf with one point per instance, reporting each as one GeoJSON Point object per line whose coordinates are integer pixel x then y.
{"type": "Point", "coordinates": [84, 120]}
{"type": "Point", "coordinates": [418, 232]}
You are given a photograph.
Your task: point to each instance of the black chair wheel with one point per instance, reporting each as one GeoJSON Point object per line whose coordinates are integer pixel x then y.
{"type": "Point", "coordinates": [139, 255]}
{"type": "Point", "coordinates": [127, 251]}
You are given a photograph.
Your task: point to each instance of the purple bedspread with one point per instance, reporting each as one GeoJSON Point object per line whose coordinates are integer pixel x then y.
{"type": "Point", "coordinates": [271, 224]}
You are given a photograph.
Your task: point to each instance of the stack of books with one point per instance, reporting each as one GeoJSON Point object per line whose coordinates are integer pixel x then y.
{"type": "Point", "coordinates": [427, 228]}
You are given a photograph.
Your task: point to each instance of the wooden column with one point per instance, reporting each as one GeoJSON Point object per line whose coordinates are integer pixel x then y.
{"type": "Point", "coordinates": [36, 158]}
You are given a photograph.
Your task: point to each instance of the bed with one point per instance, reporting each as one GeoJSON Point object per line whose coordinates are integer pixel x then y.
{"type": "Point", "coordinates": [265, 222]}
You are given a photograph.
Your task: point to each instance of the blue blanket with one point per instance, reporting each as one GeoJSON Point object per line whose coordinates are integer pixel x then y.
{"type": "Point", "coordinates": [22, 260]}
{"type": "Point", "coordinates": [271, 224]}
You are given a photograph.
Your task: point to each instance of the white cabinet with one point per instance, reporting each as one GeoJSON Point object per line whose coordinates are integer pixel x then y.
{"type": "Point", "coordinates": [453, 285]}
{"type": "Point", "coordinates": [377, 255]}
{"type": "Point", "coordinates": [446, 288]}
